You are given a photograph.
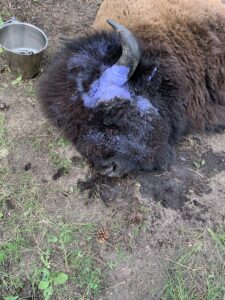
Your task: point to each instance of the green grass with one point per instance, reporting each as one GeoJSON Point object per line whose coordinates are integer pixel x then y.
{"type": "Point", "coordinates": [31, 91]}
{"type": "Point", "coordinates": [59, 253]}
{"type": "Point", "coordinates": [199, 273]}
{"type": "Point", "coordinates": [20, 225]}
{"type": "Point", "coordinates": [54, 258]}
{"type": "Point", "coordinates": [218, 238]}
{"type": "Point", "coordinates": [86, 276]}
{"type": "Point", "coordinates": [85, 273]}
{"type": "Point", "coordinates": [36, 143]}
{"type": "Point", "coordinates": [3, 139]}
{"type": "Point", "coordinates": [58, 159]}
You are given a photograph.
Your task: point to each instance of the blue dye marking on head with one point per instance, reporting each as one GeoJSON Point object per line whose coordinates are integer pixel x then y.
{"type": "Point", "coordinates": [111, 84]}
{"type": "Point", "coordinates": [152, 74]}
{"type": "Point", "coordinates": [144, 105]}
{"type": "Point", "coordinates": [117, 75]}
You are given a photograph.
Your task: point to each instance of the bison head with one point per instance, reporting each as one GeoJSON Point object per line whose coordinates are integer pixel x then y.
{"type": "Point", "coordinates": [125, 137]}
{"type": "Point", "coordinates": [95, 93]}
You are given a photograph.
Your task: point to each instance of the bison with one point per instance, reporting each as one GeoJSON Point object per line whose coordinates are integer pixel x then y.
{"type": "Point", "coordinates": [127, 92]}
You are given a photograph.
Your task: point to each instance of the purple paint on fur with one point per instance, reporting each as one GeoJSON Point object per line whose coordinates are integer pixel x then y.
{"type": "Point", "coordinates": [111, 84]}
{"type": "Point", "coordinates": [152, 75]}
{"type": "Point", "coordinates": [117, 75]}
{"type": "Point", "coordinates": [144, 104]}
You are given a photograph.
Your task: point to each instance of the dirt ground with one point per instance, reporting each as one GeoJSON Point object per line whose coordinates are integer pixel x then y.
{"type": "Point", "coordinates": [151, 218]}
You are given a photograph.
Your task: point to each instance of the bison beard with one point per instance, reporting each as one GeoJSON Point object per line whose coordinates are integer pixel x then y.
{"type": "Point", "coordinates": [125, 122]}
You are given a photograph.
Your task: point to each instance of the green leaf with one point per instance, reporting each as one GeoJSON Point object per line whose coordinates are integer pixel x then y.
{"type": "Point", "coordinates": [3, 256]}
{"type": "Point", "coordinates": [53, 239]}
{"type": "Point", "coordinates": [1, 50]}
{"type": "Point", "coordinates": [60, 278]}
{"type": "Point", "coordinates": [11, 298]}
{"type": "Point", "coordinates": [12, 246]}
{"type": "Point", "coordinates": [45, 259]}
{"type": "Point", "coordinates": [48, 292]}
{"type": "Point", "coordinates": [1, 215]}
{"type": "Point", "coordinates": [1, 21]}
{"type": "Point", "coordinates": [43, 284]}
{"type": "Point", "coordinates": [17, 80]}
{"type": "Point", "coordinates": [45, 274]}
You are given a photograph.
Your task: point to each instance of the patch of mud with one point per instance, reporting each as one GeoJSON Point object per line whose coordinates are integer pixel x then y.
{"type": "Point", "coordinates": [186, 198]}
{"type": "Point", "coordinates": [172, 188]}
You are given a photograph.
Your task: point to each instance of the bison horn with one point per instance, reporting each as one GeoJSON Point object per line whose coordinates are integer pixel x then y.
{"type": "Point", "coordinates": [130, 48]}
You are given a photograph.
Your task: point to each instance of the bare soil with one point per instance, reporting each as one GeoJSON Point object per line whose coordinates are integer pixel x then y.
{"type": "Point", "coordinates": [167, 207]}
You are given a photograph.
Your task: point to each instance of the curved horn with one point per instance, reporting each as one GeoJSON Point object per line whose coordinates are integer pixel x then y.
{"type": "Point", "coordinates": [130, 48]}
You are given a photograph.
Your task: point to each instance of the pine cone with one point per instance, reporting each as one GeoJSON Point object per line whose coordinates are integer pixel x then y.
{"type": "Point", "coordinates": [135, 218]}
{"type": "Point", "coordinates": [102, 235]}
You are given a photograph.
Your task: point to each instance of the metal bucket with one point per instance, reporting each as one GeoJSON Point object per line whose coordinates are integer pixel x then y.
{"type": "Point", "coordinates": [24, 45]}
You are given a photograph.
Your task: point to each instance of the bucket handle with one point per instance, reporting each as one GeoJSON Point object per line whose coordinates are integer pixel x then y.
{"type": "Point", "coordinates": [11, 20]}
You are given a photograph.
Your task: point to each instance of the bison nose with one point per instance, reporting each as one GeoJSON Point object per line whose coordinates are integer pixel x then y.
{"type": "Point", "coordinates": [116, 166]}
{"type": "Point", "coordinates": [110, 168]}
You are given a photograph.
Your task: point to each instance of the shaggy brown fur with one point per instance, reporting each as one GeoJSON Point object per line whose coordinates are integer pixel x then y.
{"type": "Point", "coordinates": [191, 35]}
{"type": "Point", "coordinates": [161, 13]}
